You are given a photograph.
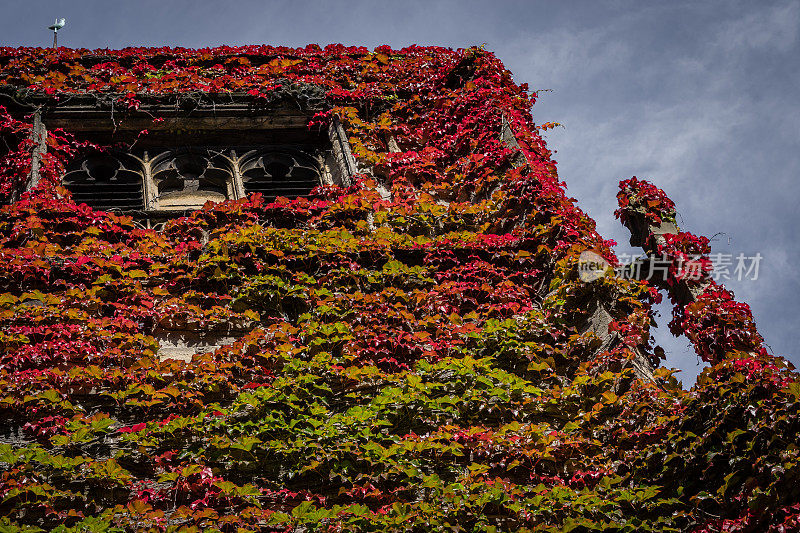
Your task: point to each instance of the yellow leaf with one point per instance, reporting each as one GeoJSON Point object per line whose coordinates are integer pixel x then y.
{"type": "Point", "coordinates": [609, 397]}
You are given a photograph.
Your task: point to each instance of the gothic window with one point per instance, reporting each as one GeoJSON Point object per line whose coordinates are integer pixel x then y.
{"type": "Point", "coordinates": [184, 179]}
{"type": "Point", "coordinates": [273, 173]}
{"type": "Point", "coordinates": [108, 182]}
{"type": "Point", "coordinates": [188, 178]}
{"type": "Point", "coordinates": [214, 153]}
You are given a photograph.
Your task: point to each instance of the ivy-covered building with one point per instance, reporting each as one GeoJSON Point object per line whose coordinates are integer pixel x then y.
{"type": "Point", "coordinates": [274, 289]}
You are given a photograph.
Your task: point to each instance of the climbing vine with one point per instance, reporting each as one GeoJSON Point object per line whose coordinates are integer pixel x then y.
{"type": "Point", "coordinates": [411, 352]}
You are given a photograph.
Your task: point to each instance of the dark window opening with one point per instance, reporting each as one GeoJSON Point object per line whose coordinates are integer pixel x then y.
{"type": "Point", "coordinates": [215, 153]}
{"type": "Point", "coordinates": [106, 182]}
{"type": "Point", "coordinates": [275, 173]}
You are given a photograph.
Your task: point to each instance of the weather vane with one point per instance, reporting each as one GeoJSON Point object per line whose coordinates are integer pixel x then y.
{"type": "Point", "coordinates": [59, 23]}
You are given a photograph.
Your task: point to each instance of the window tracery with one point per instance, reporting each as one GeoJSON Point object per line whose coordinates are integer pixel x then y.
{"type": "Point", "coordinates": [188, 178]}
{"type": "Point", "coordinates": [273, 173]}
{"type": "Point", "coordinates": [111, 182]}
{"type": "Point", "coordinates": [218, 153]}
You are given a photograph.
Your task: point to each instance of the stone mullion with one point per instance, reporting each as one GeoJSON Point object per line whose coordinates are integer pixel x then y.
{"type": "Point", "coordinates": [343, 156]}
{"type": "Point", "coordinates": [39, 138]}
{"type": "Point", "coordinates": [238, 182]}
{"type": "Point", "coordinates": [149, 187]}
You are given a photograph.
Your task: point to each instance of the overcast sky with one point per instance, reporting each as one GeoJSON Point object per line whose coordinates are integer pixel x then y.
{"type": "Point", "coordinates": [699, 97]}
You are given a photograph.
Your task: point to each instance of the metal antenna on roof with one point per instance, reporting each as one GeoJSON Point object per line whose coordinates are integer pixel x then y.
{"type": "Point", "coordinates": [59, 23]}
